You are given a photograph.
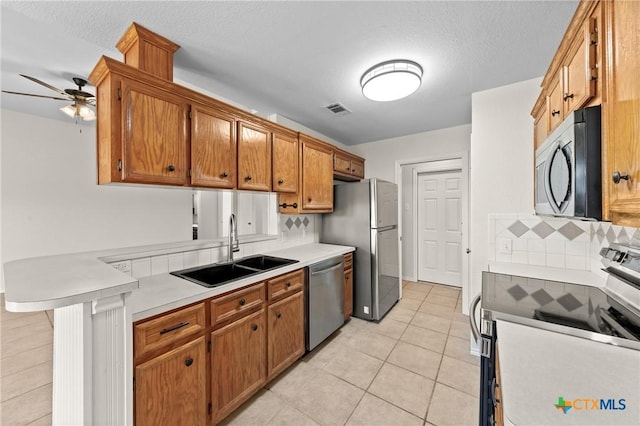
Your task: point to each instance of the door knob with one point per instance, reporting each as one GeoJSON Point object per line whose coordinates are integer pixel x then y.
{"type": "Point", "coordinates": [188, 362]}
{"type": "Point", "coordinates": [171, 168]}
{"type": "Point", "coordinates": [280, 181]}
{"type": "Point", "coordinates": [617, 177]}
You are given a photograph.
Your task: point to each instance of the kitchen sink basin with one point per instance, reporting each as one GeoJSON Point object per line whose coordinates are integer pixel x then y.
{"type": "Point", "coordinates": [222, 273]}
{"type": "Point", "coordinates": [264, 263]}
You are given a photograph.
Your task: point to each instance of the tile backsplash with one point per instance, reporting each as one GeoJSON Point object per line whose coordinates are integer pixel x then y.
{"type": "Point", "coordinates": [553, 242]}
{"type": "Point", "coordinates": [293, 231]}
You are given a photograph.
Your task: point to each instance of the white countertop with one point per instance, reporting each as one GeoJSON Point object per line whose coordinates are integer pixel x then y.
{"type": "Point", "coordinates": [51, 282]}
{"type": "Point", "coordinates": [160, 293]}
{"type": "Point", "coordinates": [552, 274]}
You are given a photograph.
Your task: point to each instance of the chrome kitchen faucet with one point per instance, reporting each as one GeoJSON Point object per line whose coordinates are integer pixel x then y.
{"type": "Point", "coordinates": [233, 235]}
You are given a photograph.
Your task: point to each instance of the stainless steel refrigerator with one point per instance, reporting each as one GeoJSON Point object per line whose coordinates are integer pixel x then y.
{"type": "Point", "coordinates": [366, 216]}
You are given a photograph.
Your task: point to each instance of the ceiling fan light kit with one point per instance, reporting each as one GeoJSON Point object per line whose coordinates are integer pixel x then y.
{"type": "Point", "coordinates": [77, 109]}
{"type": "Point", "coordinates": [81, 99]}
{"type": "Point", "coordinates": [391, 80]}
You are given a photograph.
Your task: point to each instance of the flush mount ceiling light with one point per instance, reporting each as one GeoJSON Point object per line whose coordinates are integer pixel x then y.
{"type": "Point", "coordinates": [391, 80]}
{"type": "Point", "coordinates": [79, 109]}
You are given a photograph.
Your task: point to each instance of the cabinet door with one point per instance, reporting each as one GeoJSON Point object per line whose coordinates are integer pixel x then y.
{"type": "Point", "coordinates": [171, 389]}
{"type": "Point", "coordinates": [213, 148]}
{"type": "Point", "coordinates": [579, 87]}
{"type": "Point", "coordinates": [155, 135]}
{"type": "Point", "coordinates": [238, 363]}
{"type": "Point", "coordinates": [286, 333]}
{"type": "Point", "coordinates": [622, 123]}
{"type": "Point", "coordinates": [540, 128]}
{"type": "Point", "coordinates": [317, 177]}
{"type": "Point", "coordinates": [285, 163]}
{"type": "Point", "coordinates": [348, 293]}
{"type": "Point", "coordinates": [341, 164]}
{"type": "Point", "coordinates": [555, 103]}
{"type": "Point", "coordinates": [357, 168]}
{"type": "Point", "coordinates": [254, 157]}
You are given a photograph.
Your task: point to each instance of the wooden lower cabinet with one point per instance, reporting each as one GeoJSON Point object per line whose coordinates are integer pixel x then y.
{"type": "Point", "coordinates": [348, 293]}
{"type": "Point", "coordinates": [285, 333]}
{"type": "Point", "coordinates": [170, 389]}
{"type": "Point", "coordinates": [238, 363]}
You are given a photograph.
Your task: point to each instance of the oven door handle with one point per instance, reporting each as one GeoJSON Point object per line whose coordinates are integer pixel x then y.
{"type": "Point", "coordinates": [472, 317]}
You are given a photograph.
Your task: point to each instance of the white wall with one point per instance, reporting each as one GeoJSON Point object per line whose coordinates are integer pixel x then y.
{"type": "Point", "coordinates": [381, 156]}
{"type": "Point", "coordinates": [501, 164]}
{"type": "Point", "coordinates": [51, 203]}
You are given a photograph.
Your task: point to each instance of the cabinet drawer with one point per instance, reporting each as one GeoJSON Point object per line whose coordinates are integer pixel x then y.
{"type": "Point", "coordinates": [156, 333]}
{"type": "Point", "coordinates": [348, 261]}
{"type": "Point", "coordinates": [237, 304]}
{"type": "Point", "coordinates": [285, 285]}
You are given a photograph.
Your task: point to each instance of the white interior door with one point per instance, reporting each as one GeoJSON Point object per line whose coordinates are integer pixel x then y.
{"type": "Point", "coordinates": [440, 227]}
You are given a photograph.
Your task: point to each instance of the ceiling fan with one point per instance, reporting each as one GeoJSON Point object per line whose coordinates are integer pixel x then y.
{"type": "Point", "coordinates": [81, 99]}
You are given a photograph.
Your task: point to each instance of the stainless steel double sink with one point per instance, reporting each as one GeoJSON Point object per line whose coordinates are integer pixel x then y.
{"type": "Point", "coordinates": [222, 273]}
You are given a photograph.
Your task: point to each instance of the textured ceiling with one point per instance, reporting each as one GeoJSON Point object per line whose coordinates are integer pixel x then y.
{"type": "Point", "coordinates": [294, 58]}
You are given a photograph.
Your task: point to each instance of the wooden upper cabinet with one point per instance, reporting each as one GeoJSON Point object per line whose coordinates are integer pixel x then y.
{"type": "Point", "coordinates": [621, 127]}
{"type": "Point", "coordinates": [540, 120]}
{"type": "Point", "coordinates": [213, 148]}
{"type": "Point", "coordinates": [556, 108]}
{"type": "Point", "coordinates": [155, 135]}
{"type": "Point", "coordinates": [254, 157]}
{"type": "Point", "coordinates": [341, 163]}
{"type": "Point", "coordinates": [347, 167]}
{"type": "Point", "coordinates": [285, 162]}
{"type": "Point", "coordinates": [317, 181]}
{"type": "Point", "coordinates": [578, 72]}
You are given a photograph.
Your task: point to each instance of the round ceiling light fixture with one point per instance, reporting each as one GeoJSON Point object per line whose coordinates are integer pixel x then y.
{"type": "Point", "coordinates": [391, 80]}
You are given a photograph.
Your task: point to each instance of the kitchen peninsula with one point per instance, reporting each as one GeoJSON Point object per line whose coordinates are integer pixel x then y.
{"type": "Point", "coordinates": [95, 307]}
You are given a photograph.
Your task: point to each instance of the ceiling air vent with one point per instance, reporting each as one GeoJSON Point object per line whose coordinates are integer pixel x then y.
{"type": "Point", "coordinates": [338, 109]}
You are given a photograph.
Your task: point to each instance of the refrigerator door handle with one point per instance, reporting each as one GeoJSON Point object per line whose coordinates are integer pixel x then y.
{"type": "Point", "coordinates": [472, 318]}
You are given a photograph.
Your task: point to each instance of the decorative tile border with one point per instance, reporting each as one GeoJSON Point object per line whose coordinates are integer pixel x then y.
{"type": "Point", "coordinates": [552, 241]}
{"type": "Point", "coordinates": [296, 222]}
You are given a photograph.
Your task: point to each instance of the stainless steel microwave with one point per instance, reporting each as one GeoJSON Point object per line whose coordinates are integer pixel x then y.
{"type": "Point", "coordinates": [568, 178]}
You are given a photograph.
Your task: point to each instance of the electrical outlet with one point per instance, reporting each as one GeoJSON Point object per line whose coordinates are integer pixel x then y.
{"type": "Point", "coordinates": [124, 266]}
{"type": "Point", "coordinates": [504, 245]}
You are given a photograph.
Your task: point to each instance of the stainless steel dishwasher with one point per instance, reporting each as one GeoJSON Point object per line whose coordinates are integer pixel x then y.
{"type": "Point", "coordinates": [325, 300]}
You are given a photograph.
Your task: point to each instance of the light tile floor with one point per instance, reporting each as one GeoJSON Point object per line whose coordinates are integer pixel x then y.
{"type": "Point", "coordinates": [412, 368]}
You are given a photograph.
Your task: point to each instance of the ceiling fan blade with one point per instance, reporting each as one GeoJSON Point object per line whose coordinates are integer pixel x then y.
{"type": "Point", "coordinates": [48, 86]}
{"type": "Point", "coordinates": [37, 96]}
{"type": "Point", "coordinates": [91, 101]}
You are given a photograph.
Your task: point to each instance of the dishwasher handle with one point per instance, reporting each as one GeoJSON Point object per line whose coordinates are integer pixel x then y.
{"type": "Point", "coordinates": [324, 271]}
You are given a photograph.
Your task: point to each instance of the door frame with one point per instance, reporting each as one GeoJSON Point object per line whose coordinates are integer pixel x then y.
{"type": "Point", "coordinates": [463, 157]}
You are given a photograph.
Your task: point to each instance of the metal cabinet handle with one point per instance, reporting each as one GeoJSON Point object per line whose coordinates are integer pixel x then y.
{"type": "Point", "coordinates": [280, 181]}
{"type": "Point", "coordinates": [224, 174]}
{"type": "Point", "coordinates": [472, 317]}
{"type": "Point", "coordinates": [254, 327]}
{"type": "Point", "coordinates": [567, 96]}
{"type": "Point", "coordinates": [174, 327]}
{"type": "Point", "coordinates": [188, 362]}
{"type": "Point", "coordinates": [171, 168]}
{"type": "Point", "coordinates": [309, 199]}
{"type": "Point", "coordinates": [617, 177]}
{"type": "Point", "coordinates": [278, 315]}
{"type": "Point", "coordinates": [555, 112]}
{"type": "Point", "coordinates": [288, 284]}
{"type": "Point", "coordinates": [242, 302]}
{"type": "Point", "coordinates": [248, 177]}
{"type": "Point", "coordinates": [285, 205]}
